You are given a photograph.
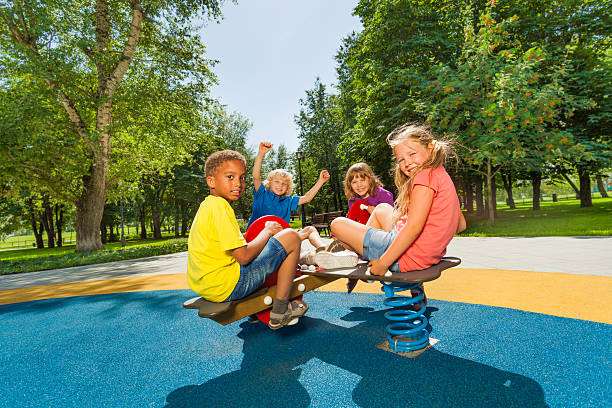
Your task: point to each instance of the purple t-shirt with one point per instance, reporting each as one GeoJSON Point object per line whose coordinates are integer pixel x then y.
{"type": "Point", "coordinates": [380, 196]}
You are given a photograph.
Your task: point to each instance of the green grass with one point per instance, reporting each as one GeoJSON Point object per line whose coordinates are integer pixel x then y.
{"type": "Point", "coordinates": [29, 260]}
{"type": "Point", "coordinates": [564, 218]}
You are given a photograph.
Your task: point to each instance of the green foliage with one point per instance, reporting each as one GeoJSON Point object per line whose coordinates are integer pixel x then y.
{"type": "Point", "coordinates": [320, 134]}
{"type": "Point", "coordinates": [97, 93]}
{"type": "Point", "coordinates": [498, 102]}
{"type": "Point", "coordinates": [522, 86]}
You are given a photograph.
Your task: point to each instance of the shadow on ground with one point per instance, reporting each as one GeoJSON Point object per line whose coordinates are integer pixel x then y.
{"type": "Point", "coordinates": [274, 364]}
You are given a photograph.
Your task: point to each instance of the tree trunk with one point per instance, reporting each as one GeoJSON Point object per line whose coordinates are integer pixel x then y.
{"type": "Point", "coordinates": [536, 181]}
{"type": "Point", "coordinates": [491, 193]}
{"type": "Point", "coordinates": [479, 195]}
{"type": "Point", "coordinates": [143, 223]}
{"type": "Point", "coordinates": [338, 192]}
{"type": "Point", "coordinates": [47, 221]}
{"type": "Point", "coordinates": [176, 219]}
{"type": "Point", "coordinates": [184, 220]}
{"type": "Point", "coordinates": [103, 233]}
{"type": "Point", "coordinates": [469, 194]}
{"type": "Point", "coordinates": [59, 223]}
{"type": "Point", "coordinates": [90, 206]}
{"type": "Point", "coordinates": [507, 179]}
{"type": "Point", "coordinates": [34, 216]}
{"type": "Point", "coordinates": [571, 183]}
{"type": "Point", "coordinates": [585, 188]}
{"type": "Point", "coordinates": [40, 243]}
{"type": "Point", "coordinates": [601, 187]}
{"type": "Point", "coordinates": [113, 237]}
{"type": "Point", "coordinates": [156, 216]}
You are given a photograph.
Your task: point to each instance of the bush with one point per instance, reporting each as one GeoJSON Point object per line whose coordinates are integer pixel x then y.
{"type": "Point", "coordinates": [88, 258]}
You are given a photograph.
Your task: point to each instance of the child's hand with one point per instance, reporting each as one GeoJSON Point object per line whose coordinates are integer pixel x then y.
{"type": "Point", "coordinates": [265, 147]}
{"type": "Point", "coordinates": [273, 227]}
{"type": "Point", "coordinates": [324, 176]}
{"type": "Point", "coordinates": [377, 267]}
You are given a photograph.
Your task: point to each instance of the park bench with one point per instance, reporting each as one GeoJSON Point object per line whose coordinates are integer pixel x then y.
{"type": "Point", "coordinates": [322, 221]}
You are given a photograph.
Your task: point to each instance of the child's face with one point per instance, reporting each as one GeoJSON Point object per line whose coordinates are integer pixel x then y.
{"type": "Point", "coordinates": [411, 154]}
{"type": "Point", "coordinates": [278, 186]}
{"type": "Point", "coordinates": [228, 181]}
{"type": "Point", "coordinates": [360, 185]}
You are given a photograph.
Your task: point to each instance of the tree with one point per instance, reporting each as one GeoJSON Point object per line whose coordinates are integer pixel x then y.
{"type": "Point", "coordinates": [585, 29]}
{"type": "Point", "coordinates": [87, 63]}
{"type": "Point", "coordinates": [505, 111]}
{"type": "Point", "coordinates": [319, 135]}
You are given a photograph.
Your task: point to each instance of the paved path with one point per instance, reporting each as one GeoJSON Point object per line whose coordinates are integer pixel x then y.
{"type": "Point", "coordinates": [579, 255]}
{"type": "Point", "coordinates": [575, 255]}
{"type": "Point", "coordinates": [156, 265]}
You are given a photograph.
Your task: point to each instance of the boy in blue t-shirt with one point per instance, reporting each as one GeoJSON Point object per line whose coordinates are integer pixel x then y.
{"type": "Point", "coordinates": [273, 196]}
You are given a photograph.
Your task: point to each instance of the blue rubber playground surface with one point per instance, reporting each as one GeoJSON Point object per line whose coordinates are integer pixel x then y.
{"type": "Point", "coordinates": [142, 349]}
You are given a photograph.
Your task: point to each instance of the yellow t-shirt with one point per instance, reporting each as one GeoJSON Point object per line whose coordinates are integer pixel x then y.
{"type": "Point", "coordinates": [212, 271]}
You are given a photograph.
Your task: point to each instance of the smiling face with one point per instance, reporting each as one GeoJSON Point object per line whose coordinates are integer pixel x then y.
{"type": "Point", "coordinates": [228, 181]}
{"type": "Point", "coordinates": [278, 186]}
{"type": "Point", "coordinates": [360, 184]}
{"type": "Point", "coordinates": [411, 154]}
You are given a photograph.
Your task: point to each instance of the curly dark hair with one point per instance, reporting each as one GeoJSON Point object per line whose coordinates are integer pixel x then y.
{"type": "Point", "coordinates": [217, 158]}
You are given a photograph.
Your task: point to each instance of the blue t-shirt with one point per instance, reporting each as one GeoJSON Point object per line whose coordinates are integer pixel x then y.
{"type": "Point", "coordinates": [266, 202]}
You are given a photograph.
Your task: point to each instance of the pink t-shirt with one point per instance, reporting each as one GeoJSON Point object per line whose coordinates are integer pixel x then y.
{"type": "Point", "coordinates": [440, 225]}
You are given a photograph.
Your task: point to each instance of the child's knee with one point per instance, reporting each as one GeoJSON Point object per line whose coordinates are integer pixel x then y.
{"type": "Point", "coordinates": [336, 222]}
{"type": "Point", "coordinates": [289, 238]}
{"type": "Point", "coordinates": [384, 207]}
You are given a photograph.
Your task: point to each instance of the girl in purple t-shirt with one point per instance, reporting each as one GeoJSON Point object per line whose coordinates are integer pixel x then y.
{"type": "Point", "coordinates": [361, 183]}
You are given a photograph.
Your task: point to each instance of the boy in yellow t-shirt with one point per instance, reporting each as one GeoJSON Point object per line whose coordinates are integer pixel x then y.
{"type": "Point", "coordinates": [221, 265]}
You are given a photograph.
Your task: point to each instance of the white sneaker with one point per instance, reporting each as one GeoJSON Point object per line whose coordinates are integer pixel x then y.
{"type": "Point", "coordinates": [342, 259]}
{"type": "Point", "coordinates": [307, 257]}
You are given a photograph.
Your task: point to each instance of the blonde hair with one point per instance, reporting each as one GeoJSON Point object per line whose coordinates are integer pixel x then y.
{"type": "Point", "coordinates": [217, 158]}
{"type": "Point", "coordinates": [442, 150]}
{"type": "Point", "coordinates": [283, 175]}
{"type": "Point", "coordinates": [360, 170]}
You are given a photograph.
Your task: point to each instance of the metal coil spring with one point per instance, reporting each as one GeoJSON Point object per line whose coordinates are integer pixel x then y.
{"type": "Point", "coordinates": [407, 330]}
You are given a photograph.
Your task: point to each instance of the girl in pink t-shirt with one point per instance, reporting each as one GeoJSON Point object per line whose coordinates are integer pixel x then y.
{"type": "Point", "coordinates": [414, 234]}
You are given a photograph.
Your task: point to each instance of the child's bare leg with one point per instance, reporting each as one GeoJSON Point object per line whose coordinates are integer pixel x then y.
{"type": "Point", "coordinates": [382, 217]}
{"type": "Point", "coordinates": [349, 232]}
{"type": "Point", "coordinates": [290, 240]}
{"type": "Point", "coordinates": [312, 235]}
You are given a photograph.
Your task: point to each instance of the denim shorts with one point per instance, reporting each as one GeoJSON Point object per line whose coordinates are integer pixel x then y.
{"type": "Point", "coordinates": [376, 242]}
{"type": "Point", "coordinates": [253, 274]}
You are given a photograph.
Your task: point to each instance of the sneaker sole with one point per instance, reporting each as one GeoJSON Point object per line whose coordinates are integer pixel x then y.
{"type": "Point", "coordinates": [332, 260]}
{"type": "Point", "coordinates": [293, 321]}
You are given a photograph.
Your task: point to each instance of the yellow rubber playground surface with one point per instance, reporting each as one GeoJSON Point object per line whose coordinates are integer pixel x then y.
{"type": "Point", "coordinates": [585, 297]}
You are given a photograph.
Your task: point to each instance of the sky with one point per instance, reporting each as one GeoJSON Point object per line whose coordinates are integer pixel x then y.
{"type": "Point", "coordinates": [270, 52]}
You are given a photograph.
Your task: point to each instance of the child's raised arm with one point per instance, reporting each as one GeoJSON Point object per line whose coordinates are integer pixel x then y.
{"type": "Point", "coordinates": [264, 147]}
{"type": "Point", "coordinates": [247, 253]}
{"type": "Point", "coordinates": [420, 204]}
{"type": "Point", "coordinates": [323, 178]}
